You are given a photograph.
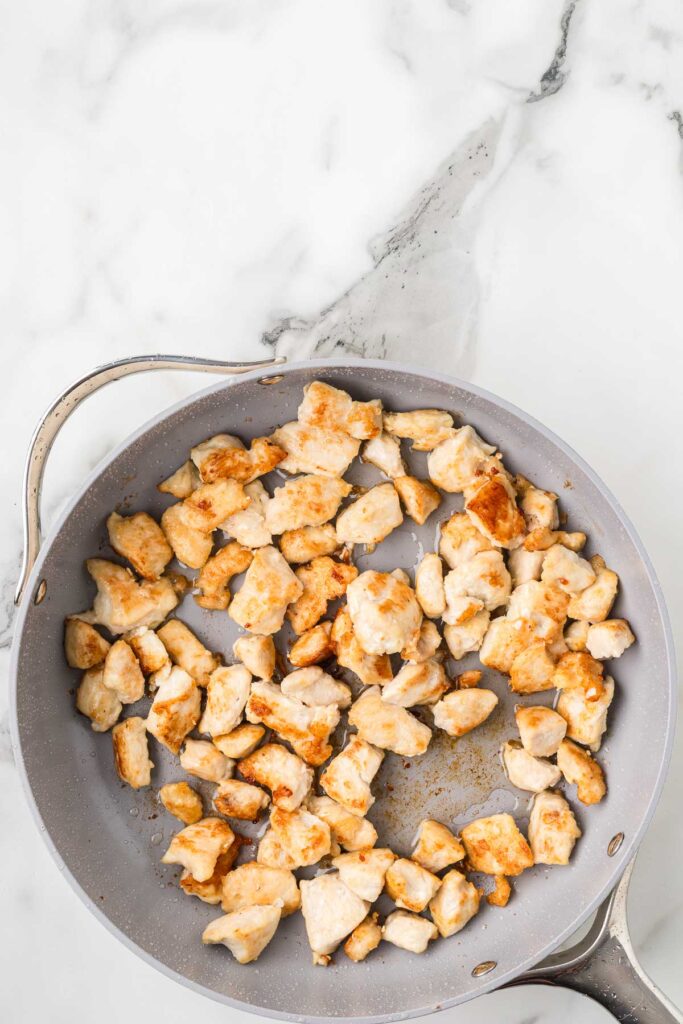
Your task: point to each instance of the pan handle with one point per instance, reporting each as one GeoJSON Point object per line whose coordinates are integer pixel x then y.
{"type": "Point", "coordinates": [60, 410]}
{"type": "Point", "coordinates": [603, 965]}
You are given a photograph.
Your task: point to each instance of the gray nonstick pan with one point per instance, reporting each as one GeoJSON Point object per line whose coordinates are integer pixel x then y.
{"type": "Point", "coordinates": [108, 839]}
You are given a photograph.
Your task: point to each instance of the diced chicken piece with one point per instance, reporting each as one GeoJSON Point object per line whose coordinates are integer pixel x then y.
{"type": "Point", "coordinates": [323, 580]}
{"type": "Point", "coordinates": [466, 680]}
{"type": "Point", "coordinates": [496, 846]}
{"type": "Point", "coordinates": [505, 640]}
{"type": "Point", "coordinates": [324, 405]}
{"type": "Point", "coordinates": [182, 483]}
{"type": "Point", "coordinates": [423, 683]}
{"type": "Point", "coordinates": [429, 586]}
{"type": "Point", "coordinates": [542, 607]}
{"type": "Point", "coordinates": [525, 565]}
{"type": "Point", "coordinates": [460, 711]}
{"type": "Point", "coordinates": [348, 776]}
{"type": "Point", "coordinates": [214, 579]}
{"type": "Point", "coordinates": [241, 742]}
{"type": "Point", "coordinates": [387, 726]}
{"type": "Point", "coordinates": [501, 892]}
{"type": "Point", "coordinates": [175, 709]}
{"type": "Point", "coordinates": [211, 890]}
{"type": "Point", "coordinates": [427, 645]}
{"type": "Point", "coordinates": [280, 771]}
{"type": "Point", "coordinates": [307, 729]}
{"type": "Point", "coordinates": [295, 839]}
{"type": "Point", "coordinates": [419, 498]}
{"type": "Point", "coordinates": [579, 669]}
{"type": "Point", "coordinates": [211, 504]}
{"type": "Point", "coordinates": [384, 611]}
{"type": "Point", "coordinates": [182, 801]}
{"type": "Point", "coordinates": [426, 428]}
{"type": "Point", "coordinates": [149, 650]}
{"type": "Point", "coordinates": [248, 527]}
{"type": "Point", "coordinates": [122, 603]}
{"type": "Point", "coordinates": [492, 507]}
{"type": "Point", "coordinates": [331, 912]}
{"type": "Point", "coordinates": [269, 586]}
{"type": "Point", "coordinates": [364, 871]}
{"type": "Point", "coordinates": [84, 647]}
{"type": "Point", "coordinates": [155, 680]}
{"type": "Point", "coordinates": [140, 540]}
{"type": "Point", "coordinates": [348, 829]}
{"type": "Point", "coordinates": [539, 508]}
{"type": "Point", "coordinates": [409, 885]}
{"type": "Point", "coordinates": [541, 730]}
{"type": "Point", "coordinates": [308, 542]}
{"type": "Point", "coordinates": [544, 539]}
{"type": "Point", "coordinates": [371, 669]}
{"type": "Point", "coordinates": [483, 581]}
{"type": "Point", "coordinates": [313, 646]}
{"type": "Point", "coordinates": [316, 688]}
{"type": "Point", "coordinates": [96, 701]}
{"type": "Point", "coordinates": [578, 767]}
{"type": "Point", "coordinates": [227, 692]}
{"type": "Point", "coordinates": [198, 847]}
{"type": "Point", "coordinates": [363, 939]}
{"type": "Point", "coordinates": [595, 602]}
{"type": "Point", "coordinates": [202, 759]}
{"type": "Point", "coordinates": [436, 846]}
{"type": "Point", "coordinates": [456, 903]}
{"type": "Point", "coordinates": [323, 451]}
{"type": "Point", "coordinates": [533, 670]}
{"type": "Point", "coordinates": [122, 673]}
{"type": "Point", "coordinates": [586, 719]}
{"type": "Point", "coordinates": [384, 452]}
{"type": "Point", "coordinates": [468, 636]}
{"type": "Point", "coordinates": [245, 932]}
{"type": "Point", "coordinates": [371, 518]}
{"type": "Point", "coordinates": [553, 830]}
{"type": "Point", "coordinates": [409, 931]}
{"type": "Point", "coordinates": [131, 753]}
{"type": "Point", "coordinates": [576, 635]}
{"type": "Point", "coordinates": [187, 651]}
{"type": "Point", "coordinates": [237, 799]}
{"type": "Point", "coordinates": [460, 540]}
{"type": "Point", "coordinates": [565, 569]}
{"type": "Point", "coordinates": [525, 771]}
{"type": "Point", "coordinates": [191, 546]}
{"type": "Point", "coordinates": [257, 654]}
{"type": "Point", "coordinates": [224, 457]}
{"type": "Point", "coordinates": [458, 460]}
{"type": "Point", "coordinates": [609, 639]}
{"type": "Point", "coordinates": [256, 885]}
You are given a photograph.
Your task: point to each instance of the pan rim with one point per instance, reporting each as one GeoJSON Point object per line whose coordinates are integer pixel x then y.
{"type": "Point", "coordinates": [629, 847]}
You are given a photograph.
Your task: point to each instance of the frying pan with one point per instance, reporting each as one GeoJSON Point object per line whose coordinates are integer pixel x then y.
{"type": "Point", "coordinates": [108, 840]}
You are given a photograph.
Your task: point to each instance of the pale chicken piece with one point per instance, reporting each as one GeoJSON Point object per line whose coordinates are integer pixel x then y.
{"type": "Point", "coordinates": [84, 647]}
{"type": "Point", "coordinates": [140, 540]}
{"type": "Point", "coordinates": [308, 542]}
{"type": "Point", "coordinates": [565, 569]}
{"type": "Point", "coordinates": [211, 504]}
{"type": "Point", "coordinates": [224, 457]}
{"type": "Point", "coordinates": [372, 517]}
{"type": "Point", "coordinates": [539, 508]}
{"type": "Point", "coordinates": [241, 800]}
{"type": "Point", "coordinates": [191, 546]}
{"type": "Point", "coordinates": [280, 771]}
{"type": "Point", "coordinates": [418, 497]}
{"type": "Point", "coordinates": [227, 692]}
{"type": "Point", "coordinates": [409, 885]}
{"type": "Point", "coordinates": [298, 838]}
{"type": "Point", "coordinates": [323, 451]}
{"type": "Point", "coordinates": [256, 885]}
{"type": "Point", "coordinates": [324, 405]}
{"type": "Point", "coordinates": [595, 602]}
{"type": "Point", "coordinates": [202, 759]}
{"type": "Point", "coordinates": [586, 719]}
{"type": "Point", "coordinates": [371, 669]}
{"type": "Point", "coordinates": [197, 847]}
{"type": "Point", "coordinates": [187, 651]}
{"type": "Point", "coordinates": [331, 911]}
{"type": "Point", "coordinates": [175, 709]}
{"type": "Point", "coordinates": [456, 903]}
{"type": "Point", "coordinates": [426, 646]}
{"type": "Point", "coordinates": [422, 683]}
{"type": "Point", "coordinates": [504, 641]}
{"type": "Point", "coordinates": [269, 586]}
{"type": "Point", "coordinates": [578, 767]}
{"type": "Point", "coordinates": [429, 586]}
{"type": "Point", "coordinates": [542, 607]}
{"type": "Point", "coordinates": [388, 726]}
{"type": "Point", "coordinates": [483, 581]}
{"type": "Point", "coordinates": [579, 669]}
{"type": "Point", "coordinates": [533, 669]}
{"type": "Point", "coordinates": [313, 646]}
{"type": "Point", "coordinates": [306, 729]}
{"type": "Point", "coordinates": [364, 871]}
{"type": "Point", "coordinates": [436, 847]}
{"type": "Point", "coordinates": [409, 931]}
{"type": "Point", "coordinates": [131, 752]}
{"type": "Point", "coordinates": [349, 830]}
{"type": "Point", "coordinates": [458, 460]}
{"type": "Point", "coordinates": [148, 649]}
{"type": "Point", "coordinates": [305, 501]}
{"type": "Point", "coordinates": [257, 654]}
{"type": "Point", "coordinates": [248, 527]}
{"type": "Point", "coordinates": [460, 711]}
{"type": "Point", "coordinates": [544, 539]}
{"type": "Point", "coordinates": [426, 428]}
{"type": "Point", "coordinates": [384, 612]}
{"type": "Point", "coordinates": [576, 635]}
{"type": "Point", "coordinates": [323, 580]}
{"type": "Point", "coordinates": [524, 565]}
{"type": "Point", "coordinates": [245, 932]}
{"type": "Point", "coordinates": [468, 636]}
{"type": "Point", "coordinates": [348, 776]}
{"type": "Point", "coordinates": [460, 540]}
{"type": "Point", "coordinates": [213, 581]}
{"type": "Point", "coordinates": [315, 688]}
{"type": "Point", "coordinates": [534, 774]}
{"type": "Point", "coordinates": [155, 679]}
{"type": "Point", "coordinates": [182, 801]}
{"type": "Point", "coordinates": [122, 673]}
{"type": "Point", "coordinates": [492, 507]}
{"type": "Point", "coordinates": [553, 830]}
{"type": "Point", "coordinates": [211, 890]}
{"type": "Point", "coordinates": [541, 730]}
{"type": "Point", "coordinates": [501, 892]}
{"type": "Point", "coordinates": [122, 603]}
{"type": "Point", "coordinates": [495, 846]}
{"type": "Point", "coordinates": [384, 452]}
{"type": "Point", "coordinates": [241, 742]}
{"type": "Point", "coordinates": [182, 483]}
{"type": "Point", "coordinates": [96, 701]}
{"type": "Point", "coordinates": [609, 639]}
{"type": "Point", "coordinates": [363, 939]}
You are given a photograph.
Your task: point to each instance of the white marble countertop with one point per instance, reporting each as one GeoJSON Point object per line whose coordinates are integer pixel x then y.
{"type": "Point", "coordinates": [489, 188]}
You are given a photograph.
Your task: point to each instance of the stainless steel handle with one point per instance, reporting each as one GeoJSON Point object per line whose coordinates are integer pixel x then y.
{"type": "Point", "coordinates": [60, 410]}
{"type": "Point", "coordinates": [603, 965]}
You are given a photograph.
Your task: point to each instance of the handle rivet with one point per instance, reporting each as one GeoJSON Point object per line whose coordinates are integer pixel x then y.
{"type": "Point", "coordinates": [40, 592]}
{"type": "Point", "coordinates": [614, 844]}
{"type": "Point", "coordinates": [271, 380]}
{"type": "Point", "coordinates": [483, 968]}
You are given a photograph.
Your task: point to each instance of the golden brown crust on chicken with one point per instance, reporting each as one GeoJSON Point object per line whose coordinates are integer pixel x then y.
{"type": "Point", "coordinates": [228, 462]}
{"type": "Point", "coordinates": [182, 801]}
{"type": "Point", "coordinates": [436, 846]}
{"type": "Point", "coordinates": [325, 451]}
{"type": "Point", "coordinates": [122, 603]}
{"type": "Point", "coordinates": [182, 483]}
{"type": "Point", "coordinates": [131, 753]}
{"type": "Point", "coordinates": [348, 776]}
{"type": "Point", "coordinates": [577, 766]}
{"type": "Point", "coordinates": [324, 405]}
{"type": "Point", "coordinates": [308, 542]}
{"type": "Point", "coordinates": [493, 509]}
{"type": "Point", "coordinates": [84, 647]}
{"type": "Point", "coordinates": [307, 729]}
{"type": "Point", "coordinates": [384, 611]}
{"type": "Point", "coordinates": [149, 649]}
{"type": "Point", "coordinates": [236, 799]}
{"type": "Point", "coordinates": [363, 939]}
{"type": "Point", "coordinates": [371, 517]}
{"type": "Point", "coordinates": [426, 428]}
{"type": "Point", "coordinates": [257, 653]}
{"type": "Point", "coordinates": [211, 890]}
{"type": "Point", "coordinates": [313, 646]}
{"type": "Point", "coordinates": [122, 673]}
{"type": "Point", "coordinates": [456, 903]}
{"type": "Point", "coordinates": [501, 892]}
{"type": "Point", "coordinates": [553, 830]}
{"type": "Point", "coordinates": [495, 846]}
{"type": "Point", "coordinates": [297, 837]}
{"type": "Point", "coordinates": [371, 669]}
{"type": "Point", "coordinates": [96, 701]}
{"type": "Point", "coordinates": [387, 726]}
{"type": "Point", "coordinates": [245, 932]}
{"type": "Point", "coordinates": [214, 580]}
{"type": "Point", "coordinates": [175, 709]}
{"type": "Point", "coordinates": [419, 498]}
{"type": "Point", "coordinates": [409, 885]}
{"type": "Point", "coordinates": [323, 580]}
{"type": "Point", "coordinates": [254, 885]}
{"type": "Point", "coordinates": [211, 504]}
{"type": "Point", "coordinates": [460, 711]}
{"type": "Point", "coordinates": [187, 651]}
{"type": "Point", "coordinates": [285, 774]}
{"type": "Point", "coordinates": [268, 588]}
{"type": "Point", "coordinates": [197, 847]}
{"type": "Point", "coordinates": [191, 546]}
{"type": "Point", "coordinates": [140, 540]}
{"type": "Point", "coordinates": [579, 669]}
{"type": "Point", "coordinates": [241, 742]}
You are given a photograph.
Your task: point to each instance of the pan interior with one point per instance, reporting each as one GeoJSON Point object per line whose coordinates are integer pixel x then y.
{"type": "Point", "coordinates": [111, 838]}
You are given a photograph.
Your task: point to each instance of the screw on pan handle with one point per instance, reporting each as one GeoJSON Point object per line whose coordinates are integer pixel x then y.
{"type": "Point", "coordinates": [60, 410]}
{"type": "Point", "coordinates": [603, 965]}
